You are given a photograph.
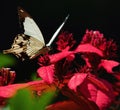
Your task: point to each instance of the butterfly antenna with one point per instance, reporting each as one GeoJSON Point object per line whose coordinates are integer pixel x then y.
{"type": "Point", "coordinates": [57, 32]}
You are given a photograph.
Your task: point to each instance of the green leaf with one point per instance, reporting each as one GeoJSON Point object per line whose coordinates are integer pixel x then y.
{"type": "Point", "coordinates": [34, 77]}
{"type": "Point", "coordinates": [44, 100]}
{"type": "Point", "coordinates": [6, 60]}
{"type": "Point", "coordinates": [5, 108]}
{"type": "Point", "coordinates": [22, 101]}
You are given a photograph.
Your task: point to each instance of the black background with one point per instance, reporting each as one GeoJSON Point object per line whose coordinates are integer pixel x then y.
{"type": "Point", "coordinates": [102, 15]}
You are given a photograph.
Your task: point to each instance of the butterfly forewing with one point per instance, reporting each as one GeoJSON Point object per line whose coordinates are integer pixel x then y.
{"type": "Point", "coordinates": [30, 27]}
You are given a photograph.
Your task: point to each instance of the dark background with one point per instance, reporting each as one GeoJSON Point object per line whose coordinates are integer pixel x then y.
{"type": "Point", "coordinates": [102, 15]}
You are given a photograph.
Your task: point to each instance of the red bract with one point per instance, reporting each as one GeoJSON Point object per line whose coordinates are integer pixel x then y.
{"type": "Point", "coordinates": [46, 73]}
{"type": "Point", "coordinates": [65, 39]}
{"type": "Point", "coordinates": [76, 80]}
{"type": "Point", "coordinates": [104, 99]}
{"type": "Point", "coordinates": [88, 48]}
{"type": "Point", "coordinates": [108, 65]}
{"type": "Point", "coordinates": [92, 90]}
{"type": "Point", "coordinates": [59, 56]}
{"type": "Point", "coordinates": [70, 105]}
{"type": "Point", "coordinates": [10, 90]}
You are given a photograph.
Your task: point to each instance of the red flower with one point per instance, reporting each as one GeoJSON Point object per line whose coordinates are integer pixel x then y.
{"type": "Point", "coordinates": [110, 50]}
{"type": "Point", "coordinates": [98, 40]}
{"type": "Point", "coordinates": [95, 38]}
{"type": "Point", "coordinates": [90, 54]}
{"type": "Point", "coordinates": [47, 72]}
{"type": "Point", "coordinates": [44, 60]}
{"type": "Point", "coordinates": [6, 76]}
{"type": "Point", "coordinates": [82, 79]}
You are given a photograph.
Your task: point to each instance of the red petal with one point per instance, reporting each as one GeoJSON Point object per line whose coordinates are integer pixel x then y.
{"type": "Point", "coordinates": [46, 73]}
{"type": "Point", "coordinates": [108, 65]}
{"type": "Point", "coordinates": [79, 99]}
{"type": "Point", "coordinates": [117, 76]}
{"type": "Point", "coordinates": [10, 90]}
{"type": "Point", "coordinates": [101, 97]}
{"type": "Point", "coordinates": [57, 57]}
{"type": "Point", "coordinates": [70, 105]}
{"type": "Point", "coordinates": [76, 80]}
{"type": "Point", "coordinates": [89, 49]}
{"type": "Point", "coordinates": [70, 57]}
{"type": "Point", "coordinates": [104, 99]}
{"type": "Point", "coordinates": [98, 83]}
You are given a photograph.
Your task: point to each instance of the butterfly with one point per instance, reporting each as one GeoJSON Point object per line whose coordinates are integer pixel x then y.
{"type": "Point", "coordinates": [30, 43]}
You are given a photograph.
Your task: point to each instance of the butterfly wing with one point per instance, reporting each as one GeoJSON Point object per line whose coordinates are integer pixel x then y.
{"type": "Point", "coordinates": [30, 42]}
{"type": "Point", "coordinates": [25, 47]}
{"type": "Point", "coordinates": [30, 27]}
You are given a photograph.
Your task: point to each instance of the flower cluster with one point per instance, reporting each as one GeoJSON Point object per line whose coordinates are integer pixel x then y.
{"type": "Point", "coordinates": [87, 80]}
{"type": "Point", "coordinates": [83, 74]}
{"type": "Point", "coordinates": [95, 38]}
{"type": "Point", "coordinates": [6, 78]}
{"type": "Point", "coordinates": [65, 40]}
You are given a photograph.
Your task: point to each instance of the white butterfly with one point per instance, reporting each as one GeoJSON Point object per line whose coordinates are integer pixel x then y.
{"type": "Point", "coordinates": [30, 43]}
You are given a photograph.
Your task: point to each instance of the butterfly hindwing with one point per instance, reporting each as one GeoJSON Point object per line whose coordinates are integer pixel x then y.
{"type": "Point", "coordinates": [25, 47]}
